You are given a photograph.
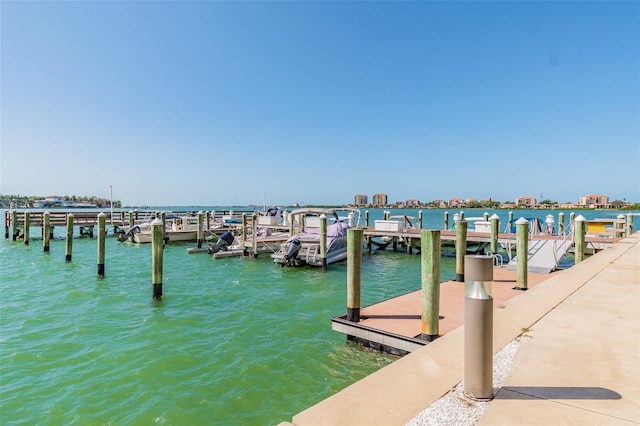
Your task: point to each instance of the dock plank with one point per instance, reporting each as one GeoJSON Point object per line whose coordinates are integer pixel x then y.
{"type": "Point", "coordinates": [402, 315]}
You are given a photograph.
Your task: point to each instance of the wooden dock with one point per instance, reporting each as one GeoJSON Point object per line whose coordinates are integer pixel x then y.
{"type": "Point", "coordinates": [393, 325]}
{"type": "Point", "coordinates": [87, 220]}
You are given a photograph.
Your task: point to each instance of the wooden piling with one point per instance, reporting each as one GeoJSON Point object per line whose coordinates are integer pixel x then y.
{"type": "Point", "coordinates": [629, 224]}
{"type": "Point", "coordinates": [323, 241]}
{"type": "Point", "coordinates": [522, 253]}
{"type": "Point", "coordinates": [254, 234]}
{"type": "Point", "coordinates": [102, 234]}
{"type": "Point", "coordinates": [509, 222]}
{"type": "Point", "coordinates": [354, 270]}
{"type": "Point", "coordinates": [67, 252]}
{"type": "Point", "coordinates": [207, 219]}
{"type": "Point", "coordinates": [366, 218]}
{"type": "Point", "coordinates": [14, 224]}
{"type": "Point", "coordinates": [200, 233]}
{"type": "Point", "coordinates": [27, 224]}
{"type": "Point", "coordinates": [579, 244]}
{"type": "Point", "coordinates": [46, 235]}
{"type": "Point", "coordinates": [430, 262]}
{"type": "Point", "coordinates": [446, 221]}
{"type": "Point", "coordinates": [495, 230]}
{"type": "Point", "coordinates": [620, 228]}
{"type": "Point", "coordinates": [163, 218]}
{"type": "Point", "coordinates": [6, 227]}
{"type": "Point", "coordinates": [244, 234]}
{"type": "Point", "coordinates": [420, 219]}
{"type": "Point", "coordinates": [461, 248]}
{"type": "Point", "coordinates": [485, 216]}
{"type": "Point", "coordinates": [561, 223]}
{"type": "Point", "coordinates": [157, 246]}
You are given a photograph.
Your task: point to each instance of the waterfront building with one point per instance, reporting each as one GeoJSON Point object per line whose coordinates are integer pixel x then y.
{"type": "Point", "coordinates": [456, 202]}
{"type": "Point", "coordinates": [361, 200]}
{"type": "Point", "coordinates": [379, 199]}
{"type": "Point", "coordinates": [526, 201]}
{"type": "Point", "coordinates": [412, 203]}
{"type": "Point", "coordinates": [594, 201]}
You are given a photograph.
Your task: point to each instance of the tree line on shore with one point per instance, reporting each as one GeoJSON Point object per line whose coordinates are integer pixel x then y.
{"type": "Point", "coordinates": [28, 201]}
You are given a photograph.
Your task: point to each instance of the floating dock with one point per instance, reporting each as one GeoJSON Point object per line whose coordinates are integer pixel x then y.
{"type": "Point", "coordinates": [393, 326]}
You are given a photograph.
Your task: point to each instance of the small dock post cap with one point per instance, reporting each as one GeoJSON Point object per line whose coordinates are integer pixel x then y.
{"type": "Point", "coordinates": [521, 221]}
{"type": "Point", "coordinates": [494, 216]}
{"type": "Point", "coordinates": [549, 219]}
{"type": "Point", "coordinates": [323, 216]}
{"type": "Point", "coordinates": [580, 218]}
{"type": "Point", "coordinates": [156, 222]}
{"type": "Point", "coordinates": [620, 216]}
{"type": "Point", "coordinates": [101, 214]}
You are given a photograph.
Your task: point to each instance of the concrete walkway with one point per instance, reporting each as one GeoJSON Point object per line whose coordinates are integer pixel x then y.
{"type": "Point", "coordinates": [578, 364]}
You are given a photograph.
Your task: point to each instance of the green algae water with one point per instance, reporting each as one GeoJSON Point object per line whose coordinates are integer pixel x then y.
{"type": "Point", "coordinates": [233, 341]}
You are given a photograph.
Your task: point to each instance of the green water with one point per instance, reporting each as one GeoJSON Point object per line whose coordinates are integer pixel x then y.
{"type": "Point", "coordinates": [233, 341]}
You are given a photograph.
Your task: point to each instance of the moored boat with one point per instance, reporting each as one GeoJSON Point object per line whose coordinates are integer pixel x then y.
{"type": "Point", "coordinates": [303, 248]}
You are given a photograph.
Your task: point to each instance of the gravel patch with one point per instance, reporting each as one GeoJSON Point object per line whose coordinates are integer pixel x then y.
{"type": "Point", "coordinates": [454, 408]}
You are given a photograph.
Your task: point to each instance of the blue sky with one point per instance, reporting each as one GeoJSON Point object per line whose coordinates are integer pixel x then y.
{"type": "Point", "coordinates": [218, 103]}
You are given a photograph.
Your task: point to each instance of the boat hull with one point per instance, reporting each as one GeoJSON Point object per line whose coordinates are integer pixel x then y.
{"type": "Point", "coordinates": [172, 237]}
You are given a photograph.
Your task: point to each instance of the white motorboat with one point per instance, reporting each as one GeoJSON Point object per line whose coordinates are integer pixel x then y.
{"type": "Point", "coordinates": [303, 248]}
{"type": "Point", "coordinates": [177, 229]}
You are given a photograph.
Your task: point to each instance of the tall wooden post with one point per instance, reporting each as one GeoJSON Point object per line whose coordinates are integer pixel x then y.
{"type": "Point", "coordinates": [620, 228]}
{"type": "Point", "coordinates": [6, 225]}
{"type": "Point", "coordinates": [522, 253]}
{"type": "Point", "coordinates": [430, 262]}
{"type": "Point", "coordinates": [495, 230]}
{"type": "Point", "coordinates": [157, 246]}
{"type": "Point", "coordinates": [207, 218]}
{"type": "Point", "coordinates": [485, 216]}
{"type": "Point", "coordinates": [510, 222]}
{"type": "Point", "coordinates": [420, 219]}
{"type": "Point", "coordinates": [27, 224]}
{"type": "Point", "coordinates": [46, 235]}
{"type": "Point", "coordinates": [561, 223]}
{"type": "Point", "coordinates": [629, 224]}
{"type": "Point", "coordinates": [200, 233]}
{"type": "Point", "coordinates": [102, 233]}
{"type": "Point", "coordinates": [244, 233]}
{"type": "Point", "coordinates": [446, 221]}
{"type": "Point", "coordinates": [131, 219]}
{"type": "Point", "coordinates": [366, 218]}
{"type": "Point", "coordinates": [254, 234]}
{"type": "Point", "coordinates": [354, 269]}
{"type": "Point", "coordinates": [461, 248]}
{"type": "Point", "coordinates": [14, 224]}
{"type": "Point", "coordinates": [69, 247]}
{"type": "Point", "coordinates": [163, 218]}
{"type": "Point", "coordinates": [580, 245]}
{"type": "Point", "coordinates": [323, 241]}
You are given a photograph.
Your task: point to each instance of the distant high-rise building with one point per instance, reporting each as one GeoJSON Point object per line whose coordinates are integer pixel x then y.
{"type": "Point", "coordinates": [379, 199]}
{"type": "Point", "coordinates": [361, 200]}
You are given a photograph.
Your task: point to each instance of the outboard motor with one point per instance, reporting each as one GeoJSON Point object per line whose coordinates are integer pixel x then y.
{"type": "Point", "coordinates": [223, 242]}
{"type": "Point", "coordinates": [292, 253]}
{"type": "Point", "coordinates": [129, 234]}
